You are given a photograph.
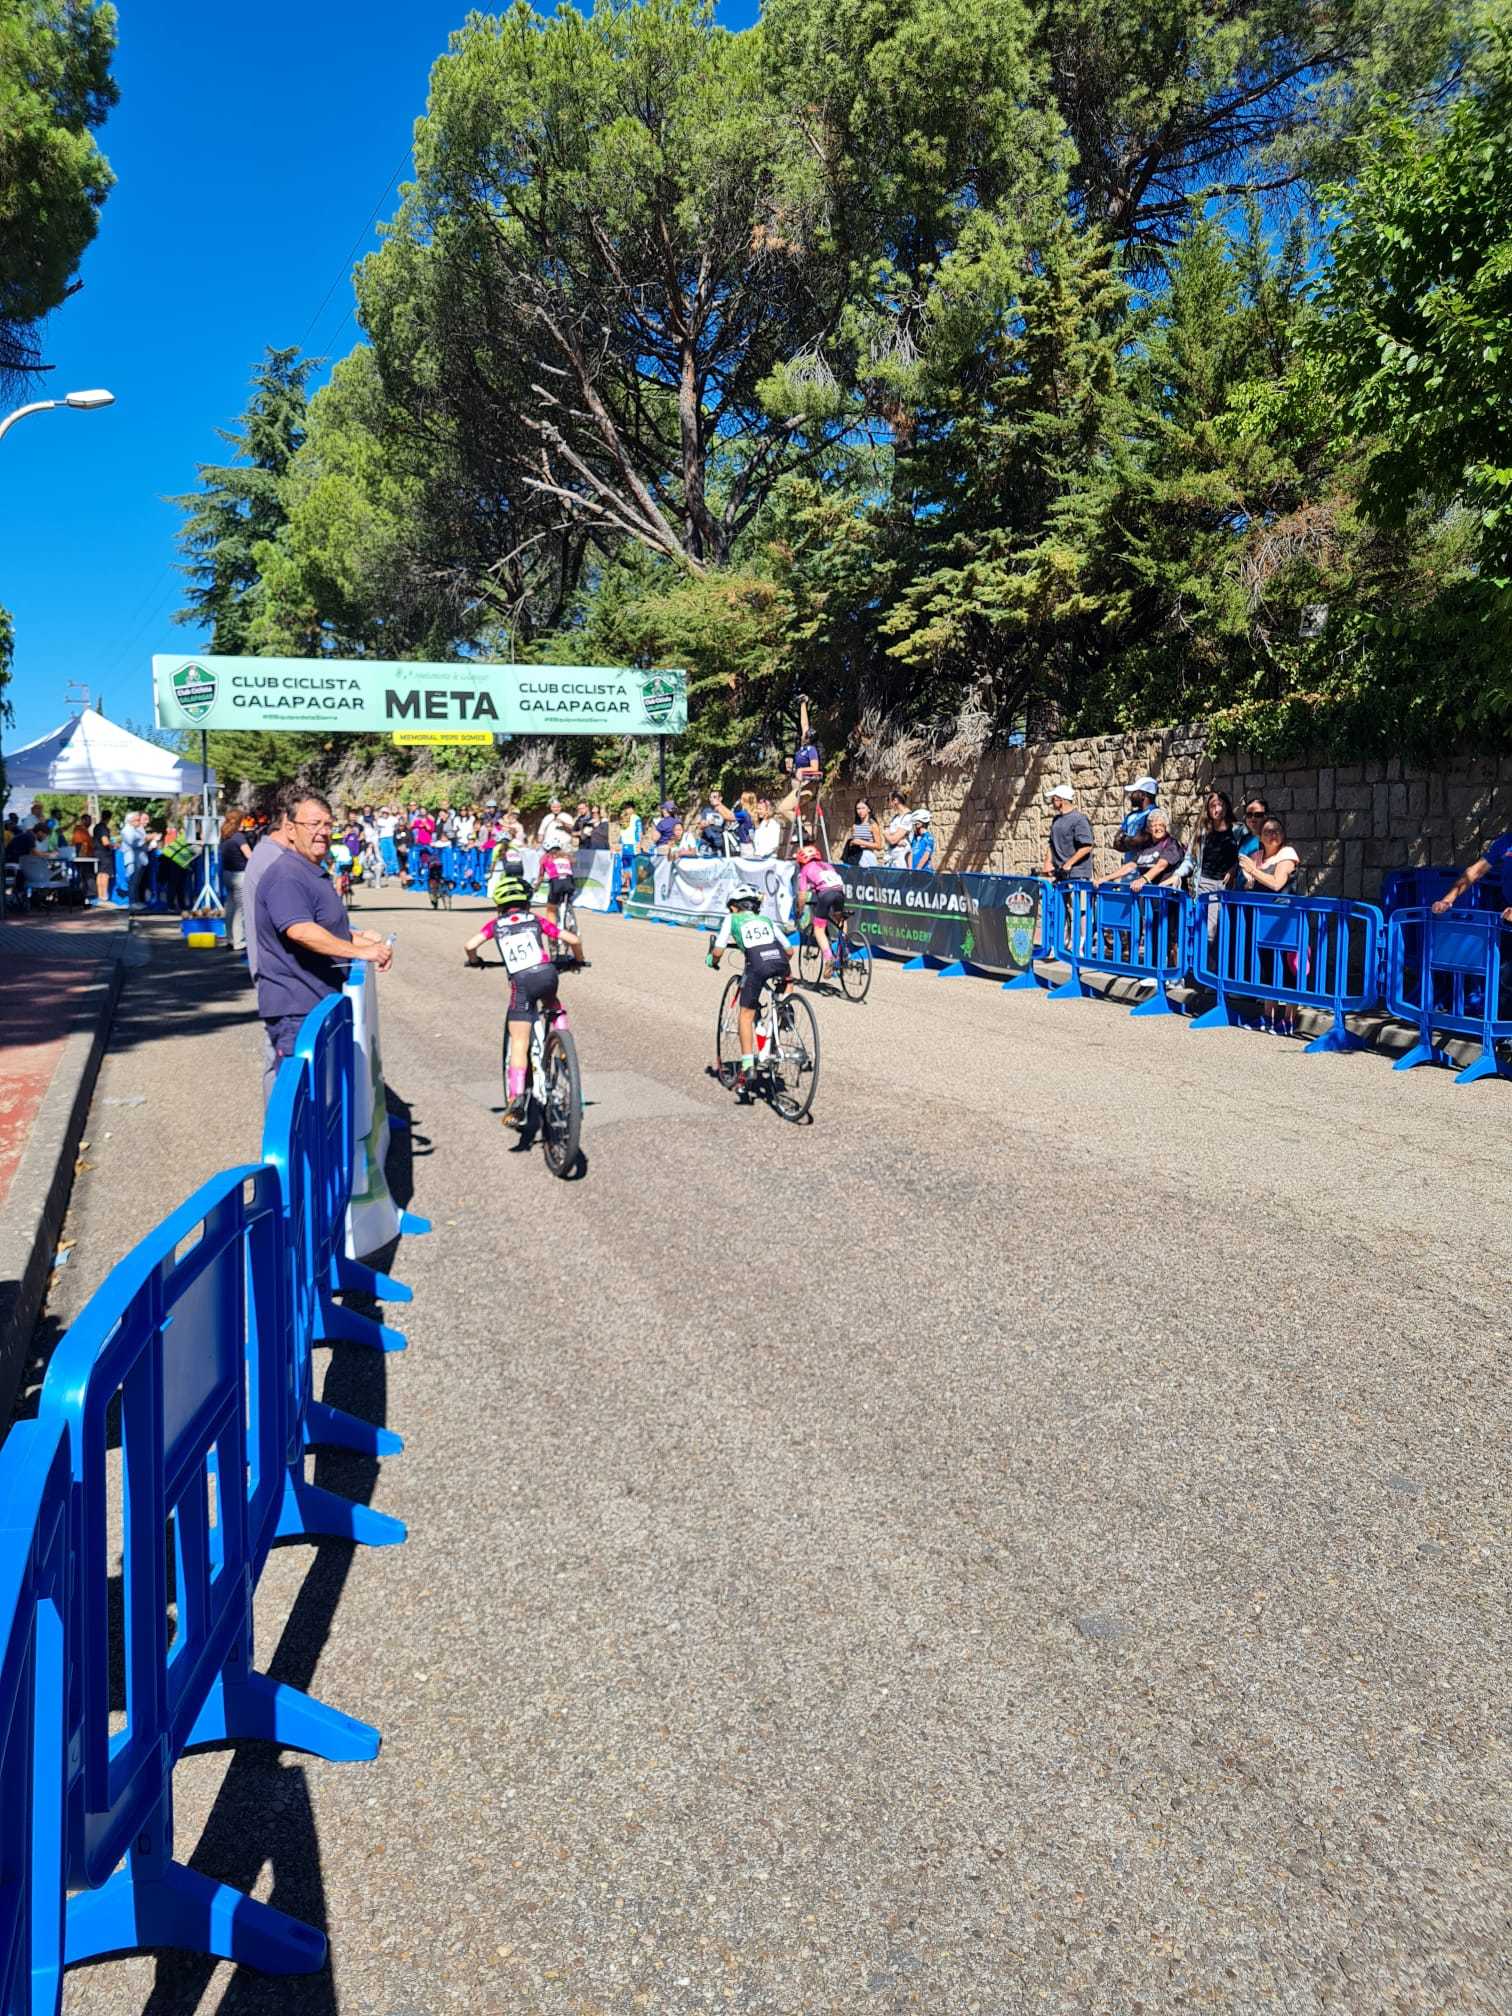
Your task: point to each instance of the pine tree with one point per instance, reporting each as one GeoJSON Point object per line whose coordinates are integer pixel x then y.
{"type": "Point", "coordinates": [240, 504]}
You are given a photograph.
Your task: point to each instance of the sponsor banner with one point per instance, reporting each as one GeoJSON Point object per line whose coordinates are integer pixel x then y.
{"type": "Point", "coordinates": [695, 890]}
{"type": "Point", "coordinates": [442, 738]}
{"type": "Point", "coordinates": [987, 920]}
{"type": "Point", "coordinates": [1004, 921]}
{"type": "Point", "coordinates": [594, 873]}
{"type": "Point", "coordinates": [367, 695]}
{"type": "Point", "coordinates": [905, 910]}
{"type": "Point", "coordinates": [372, 1214]}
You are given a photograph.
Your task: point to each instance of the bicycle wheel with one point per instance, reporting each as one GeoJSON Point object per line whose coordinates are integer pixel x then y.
{"type": "Point", "coordinates": [795, 1062]}
{"type": "Point", "coordinates": [727, 1033]}
{"type": "Point", "coordinates": [810, 963]}
{"type": "Point", "coordinates": [562, 1109]}
{"type": "Point", "coordinates": [855, 965]}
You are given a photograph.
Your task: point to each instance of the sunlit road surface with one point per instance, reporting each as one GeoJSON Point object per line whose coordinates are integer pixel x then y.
{"type": "Point", "coordinates": [1033, 1540]}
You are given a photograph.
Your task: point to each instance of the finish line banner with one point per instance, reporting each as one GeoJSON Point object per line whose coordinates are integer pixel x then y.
{"type": "Point", "coordinates": [362, 696]}
{"type": "Point", "coordinates": [692, 890]}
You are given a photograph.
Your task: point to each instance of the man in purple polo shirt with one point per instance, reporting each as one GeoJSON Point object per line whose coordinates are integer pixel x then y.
{"type": "Point", "coordinates": [304, 940]}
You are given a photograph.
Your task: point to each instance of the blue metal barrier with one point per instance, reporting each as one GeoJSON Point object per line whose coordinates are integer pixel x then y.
{"type": "Point", "coordinates": [1416, 888]}
{"type": "Point", "coordinates": [292, 1145]}
{"type": "Point", "coordinates": [1308, 951]}
{"type": "Point", "coordinates": [1137, 934]}
{"type": "Point", "coordinates": [165, 1341]}
{"type": "Point", "coordinates": [36, 1547]}
{"type": "Point", "coordinates": [1447, 973]}
{"type": "Point", "coordinates": [325, 1043]}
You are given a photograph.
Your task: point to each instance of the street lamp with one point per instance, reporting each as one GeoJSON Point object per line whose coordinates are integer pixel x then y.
{"type": "Point", "coordinates": [81, 402]}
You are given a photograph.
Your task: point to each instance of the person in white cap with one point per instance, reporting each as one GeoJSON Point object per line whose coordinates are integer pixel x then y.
{"type": "Point", "coordinates": [1068, 851]}
{"type": "Point", "coordinates": [1141, 795]}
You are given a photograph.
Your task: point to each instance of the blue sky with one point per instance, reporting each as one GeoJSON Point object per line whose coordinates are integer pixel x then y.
{"type": "Point", "coordinates": [251, 146]}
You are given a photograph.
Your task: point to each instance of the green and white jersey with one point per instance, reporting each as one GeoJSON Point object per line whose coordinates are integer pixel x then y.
{"type": "Point", "coordinates": [752, 932]}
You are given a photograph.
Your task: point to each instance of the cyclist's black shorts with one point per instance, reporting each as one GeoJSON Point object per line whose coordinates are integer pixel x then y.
{"type": "Point", "coordinates": [530, 991]}
{"type": "Point", "coordinates": [767, 964]}
{"type": "Point", "coordinates": [825, 902]}
{"type": "Point", "coordinates": [562, 889]}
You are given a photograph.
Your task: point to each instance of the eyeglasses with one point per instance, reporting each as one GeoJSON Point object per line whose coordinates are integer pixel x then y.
{"type": "Point", "coordinates": [315, 825]}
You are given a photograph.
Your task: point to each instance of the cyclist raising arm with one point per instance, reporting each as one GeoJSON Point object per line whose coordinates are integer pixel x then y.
{"type": "Point", "coordinates": [822, 888]}
{"type": "Point", "coordinates": [767, 955]}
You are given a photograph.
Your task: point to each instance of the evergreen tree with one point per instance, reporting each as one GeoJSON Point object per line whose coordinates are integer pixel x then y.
{"type": "Point", "coordinates": [241, 505]}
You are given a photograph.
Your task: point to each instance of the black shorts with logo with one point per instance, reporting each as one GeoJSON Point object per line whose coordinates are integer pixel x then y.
{"type": "Point", "coordinates": [825, 902]}
{"type": "Point", "coordinates": [529, 992]}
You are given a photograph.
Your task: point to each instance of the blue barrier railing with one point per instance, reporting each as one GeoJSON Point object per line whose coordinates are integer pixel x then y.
{"type": "Point", "coordinates": [1417, 888]}
{"type": "Point", "coordinates": [1135, 934]}
{"type": "Point", "coordinates": [1449, 974]}
{"type": "Point", "coordinates": [173, 1426]}
{"type": "Point", "coordinates": [1307, 951]}
{"type": "Point", "coordinates": [35, 1551]}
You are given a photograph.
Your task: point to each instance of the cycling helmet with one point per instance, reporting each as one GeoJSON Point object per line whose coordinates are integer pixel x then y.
{"type": "Point", "coordinates": [807, 854]}
{"type": "Point", "coordinates": [743, 898]}
{"type": "Point", "coordinates": [922, 818]}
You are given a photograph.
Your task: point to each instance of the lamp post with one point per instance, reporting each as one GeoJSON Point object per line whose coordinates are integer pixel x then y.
{"type": "Point", "coordinates": [78, 402]}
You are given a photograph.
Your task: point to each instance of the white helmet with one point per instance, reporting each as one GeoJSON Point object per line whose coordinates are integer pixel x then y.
{"type": "Point", "coordinates": [745, 894]}
{"type": "Point", "coordinates": [922, 818]}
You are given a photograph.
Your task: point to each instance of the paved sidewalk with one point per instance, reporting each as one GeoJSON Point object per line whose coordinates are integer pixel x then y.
{"type": "Point", "coordinates": [61, 975]}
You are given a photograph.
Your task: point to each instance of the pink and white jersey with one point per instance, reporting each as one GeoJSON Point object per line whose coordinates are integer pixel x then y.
{"type": "Point", "coordinates": [819, 875]}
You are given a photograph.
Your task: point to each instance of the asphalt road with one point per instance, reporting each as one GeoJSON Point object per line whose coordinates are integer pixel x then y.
{"type": "Point", "coordinates": [1034, 1540]}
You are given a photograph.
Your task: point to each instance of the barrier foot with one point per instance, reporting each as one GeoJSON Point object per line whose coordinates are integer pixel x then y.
{"type": "Point", "coordinates": [335, 1325]}
{"type": "Point", "coordinates": [1338, 1038]}
{"type": "Point", "coordinates": [1159, 1003]}
{"type": "Point", "coordinates": [1220, 1017]}
{"type": "Point", "coordinates": [412, 1225]}
{"type": "Point", "coordinates": [921, 963]}
{"type": "Point", "coordinates": [1485, 1066]}
{"type": "Point", "coordinates": [1069, 990]}
{"type": "Point", "coordinates": [1420, 1053]}
{"type": "Point", "coordinates": [332, 1428]}
{"type": "Point", "coordinates": [956, 970]}
{"type": "Point", "coordinates": [250, 1706]}
{"type": "Point", "coordinates": [1021, 983]}
{"type": "Point", "coordinates": [180, 1908]}
{"type": "Point", "coordinates": [355, 1277]}
{"type": "Point", "coordinates": [310, 1512]}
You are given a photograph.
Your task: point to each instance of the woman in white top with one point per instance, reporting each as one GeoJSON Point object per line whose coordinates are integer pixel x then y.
{"type": "Point", "coordinates": [766, 837]}
{"type": "Point", "coordinates": [1267, 874]}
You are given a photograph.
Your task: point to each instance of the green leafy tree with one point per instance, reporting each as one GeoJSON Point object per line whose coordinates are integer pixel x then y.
{"type": "Point", "coordinates": [55, 90]}
{"type": "Point", "coordinates": [592, 278]}
{"type": "Point", "coordinates": [1416, 336]}
{"type": "Point", "coordinates": [240, 504]}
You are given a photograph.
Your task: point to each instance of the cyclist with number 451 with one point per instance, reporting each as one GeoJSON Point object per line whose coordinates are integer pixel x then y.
{"type": "Point", "coordinates": [767, 957]}
{"type": "Point", "coordinates": [522, 938]}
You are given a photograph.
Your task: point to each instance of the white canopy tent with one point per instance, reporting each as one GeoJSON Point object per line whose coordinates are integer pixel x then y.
{"type": "Point", "coordinates": [96, 757]}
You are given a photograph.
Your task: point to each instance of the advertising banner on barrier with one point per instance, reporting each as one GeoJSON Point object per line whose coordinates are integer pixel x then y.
{"type": "Point", "coordinates": [1004, 921]}
{"type": "Point", "coordinates": [594, 872]}
{"type": "Point", "coordinates": [901, 910]}
{"type": "Point", "coordinates": [990, 921]}
{"type": "Point", "coordinates": [692, 889]}
{"type": "Point", "coordinates": [372, 1214]}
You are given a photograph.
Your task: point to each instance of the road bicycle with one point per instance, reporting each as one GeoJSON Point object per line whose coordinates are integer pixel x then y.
{"type": "Point", "coordinates": [554, 1092]}
{"type": "Point", "coordinates": [787, 1047]}
{"type": "Point", "coordinates": [850, 950]}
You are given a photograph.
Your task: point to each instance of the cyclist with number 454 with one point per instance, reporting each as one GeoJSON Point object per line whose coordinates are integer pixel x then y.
{"type": "Point", "coordinates": [767, 957]}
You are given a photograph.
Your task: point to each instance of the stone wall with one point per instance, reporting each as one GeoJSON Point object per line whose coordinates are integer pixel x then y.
{"type": "Point", "coordinates": [1349, 822]}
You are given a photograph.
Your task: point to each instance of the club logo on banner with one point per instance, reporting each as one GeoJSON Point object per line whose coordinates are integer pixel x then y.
{"type": "Point", "coordinates": [658, 697]}
{"type": "Point", "coordinates": [194, 690]}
